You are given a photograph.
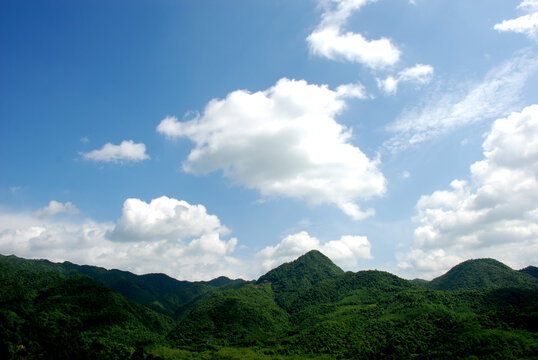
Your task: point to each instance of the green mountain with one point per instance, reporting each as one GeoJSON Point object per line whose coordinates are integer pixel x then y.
{"type": "Point", "coordinates": [157, 291]}
{"type": "Point", "coordinates": [305, 309]}
{"type": "Point", "coordinates": [46, 315]}
{"type": "Point", "coordinates": [292, 278]}
{"type": "Point", "coordinates": [482, 273]}
{"type": "Point", "coordinates": [531, 270]}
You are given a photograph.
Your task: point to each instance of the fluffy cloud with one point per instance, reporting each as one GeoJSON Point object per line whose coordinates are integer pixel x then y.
{"type": "Point", "coordinates": [345, 252]}
{"type": "Point", "coordinates": [127, 151]}
{"type": "Point", "coordinates": [283, 141]}
{"type": "Point", "coordinates": [526, 24]}
{"type": "Point", "coordinates": [496, 96]}
{"type": "Point", "coordinates": [419, 74]}
{"type": "Point", "coordinates": [54, 207]}
{"type": "Point", "coordinates": [164, 218]}
{"type": "Point", "coordinates": [176, 238]}
{"type": "Point", "coordinates": [328, 40]}
{"type": "Point", "coordinates": [494, 214]}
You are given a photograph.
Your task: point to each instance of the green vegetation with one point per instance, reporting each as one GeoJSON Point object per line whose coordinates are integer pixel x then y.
{"type": "Point", "coordinates": [481, 273]}
{"type": "Point", "coordinates": [305, 309]}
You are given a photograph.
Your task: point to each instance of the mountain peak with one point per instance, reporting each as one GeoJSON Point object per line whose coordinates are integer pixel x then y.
{"type": "Point", "coordinates": [481, 273]}
{"type": "Point", "coordinates": [290, 278]}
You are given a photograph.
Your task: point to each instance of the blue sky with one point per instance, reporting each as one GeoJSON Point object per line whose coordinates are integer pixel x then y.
{"type": "Point", "coordinates": [206, 138]}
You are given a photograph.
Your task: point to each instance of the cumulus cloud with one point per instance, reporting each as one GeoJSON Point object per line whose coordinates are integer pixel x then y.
{"type": "Point", "coordinates": [495, 214]}
{"type": "Point", "coordinates": [345, 252]}
{"type": "Point", "coordinates": [164, 218]}
{"type": "Point", "coordinates": [526, 24]}
{"type": "Point", "coordinates": [165, 235]}
{"type": "Point", "coordinates": [497, 95]}
{"type": "Point", "coordinates": [54, 207]}
{"type": "Point", "coordinates": [329, 40]}
{"type": "Point", "coordinates": [127, 151]}
{"type": "Point", "coordinates": [283, 141]}
{"type": "Point", "coordinates": [419, 74]}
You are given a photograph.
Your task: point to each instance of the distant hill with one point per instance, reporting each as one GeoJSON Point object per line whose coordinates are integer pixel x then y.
{"type": "Point", "coordinates": [157, 291]}
{"type": "Point", "coordinates": [531, 270]}
{"type": "Point", "coordinates": [482, 273]}
{"type": "Point", "coordinates": [289, 279]}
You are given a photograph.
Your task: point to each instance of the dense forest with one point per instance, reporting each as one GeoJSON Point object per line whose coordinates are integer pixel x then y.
{"type": "Point", "coordinates": [308, 308]}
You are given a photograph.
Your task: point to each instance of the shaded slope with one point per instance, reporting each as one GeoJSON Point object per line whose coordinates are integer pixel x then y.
{"type": "Point", "coordinates": [530, 270]}
{"type": "Point", "coordinates": [482, 273]}
{"type": "Point", "coordinates": [245, 316]}
{"type": "Point", "coordinates": [289, 279]}
{"type": "Point", "coordinates": [44, 314]}
{"type": "Point", "coordinates": [157, 291]}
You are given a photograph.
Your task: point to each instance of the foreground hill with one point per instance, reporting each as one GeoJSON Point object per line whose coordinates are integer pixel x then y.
{"type": "Point", "coordinates": [305, 309]}
{"type": "Point", "coordinates": [482, 273]}
{"type": "Point", "coordinates": [157, 291]}
{"type": "Point", "coordinates": [44, 314]}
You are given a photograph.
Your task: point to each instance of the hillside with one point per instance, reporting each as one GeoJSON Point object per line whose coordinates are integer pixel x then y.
{"type": "Point", "coordinates": [157, 291]}
{"type": "Point", "coordinates": [305, 309]}
{"type": "Point", "coordinates": [290, 279]}
{"type": "Point", "coordinates": [47, 315]}
{"type": "Point", "coordinates": [482, 273]}
{"type": "Point", "coordinates": [530, 270]}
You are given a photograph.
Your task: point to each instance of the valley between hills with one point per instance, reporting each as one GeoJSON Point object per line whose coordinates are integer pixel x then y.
{"type": "Point", "coordinates": [305, 309]}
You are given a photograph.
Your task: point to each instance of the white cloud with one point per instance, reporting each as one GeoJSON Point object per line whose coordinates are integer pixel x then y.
{"type": "Point", "coordinates": [164, 219]}
{"type": "Point", "coordinates": [127, 151]}
{"type": "Point", "coordinates": [176, 238]}
{"type": "Point", "coordinates": [54, 207]}
{"type": "Point", "coordinates": [493, 215]}
{"type": "Point", "coordinates": [419, 74]}
{"type": "Point", "coordinates": [345, 252]}
{"type": "Point", "coordinates": [496, 96]}
{"type": "Point", "coordinates": [526, 24]}
{"type": "Point", "coordinates": [328, 39]}
{"type": "Point", "coordinates": [283, 141]}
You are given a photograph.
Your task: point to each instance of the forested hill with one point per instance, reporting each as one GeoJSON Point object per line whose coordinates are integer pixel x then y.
{"type": "Point", "coordinates": [307, 308]}
{"type": "Point", "coordinates": [157, 291]}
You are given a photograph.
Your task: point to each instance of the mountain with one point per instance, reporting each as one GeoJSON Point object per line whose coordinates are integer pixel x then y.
{"type": "Point", "coordinates": [531, 270]}
{"type": "Point", "coordinates": [244, 316]}
{"type": "Point", "coordinates": [307, 308]}
{"type": "Point", "coordinates": [482, 273]}
{"type": "Point", "coordinates": [157, 291]}
{"type": "Point", "coordinates": [289, 279]}
{"type": "Point", "coordinates": [44, 314]}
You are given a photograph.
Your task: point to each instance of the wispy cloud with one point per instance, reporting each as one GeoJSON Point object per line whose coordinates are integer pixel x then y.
{"type": "Point", "coordinates": [497, 95]}
{"type": "Point", "coordinates": [419, 74]}
{"type": "Point", "coordinates": [127, 151]}
{"type": "Point", "coordinates": [54, 207]}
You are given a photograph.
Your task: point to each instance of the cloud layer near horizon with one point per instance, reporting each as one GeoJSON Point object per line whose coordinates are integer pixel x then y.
{"type": "Point", "coordinates": [283, 141]}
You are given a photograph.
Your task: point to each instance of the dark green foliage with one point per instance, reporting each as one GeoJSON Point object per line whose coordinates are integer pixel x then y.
{"type": "Point", "coordinates": [245, 316]}
{"type": "Point", "coordinates": [531, 270]}
{"type": "Point", "coordinates": [157, 291]}
{"type": "Point", "coordinates": [289, 279]}
{"type": "Point", "coordinates": [482, 273]}
{"type": "Point", "coordinates": [47, 315]}
{"type": "Point", "coordinates": [306, 309]}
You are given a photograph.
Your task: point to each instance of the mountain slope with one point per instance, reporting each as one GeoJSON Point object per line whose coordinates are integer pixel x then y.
{"type": "Point", "coordinates": [157, 291]}
{"type": "Point", "coordinates": [530, 270]}
{"type": "Point", "coordinates": [291, 278]}
{"type": "Point", "coordinates": [482, 273]}
{"type": "Point", "coordinates": [47, 315]}
{"type": "Point", "coordinates": [244, 316]}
